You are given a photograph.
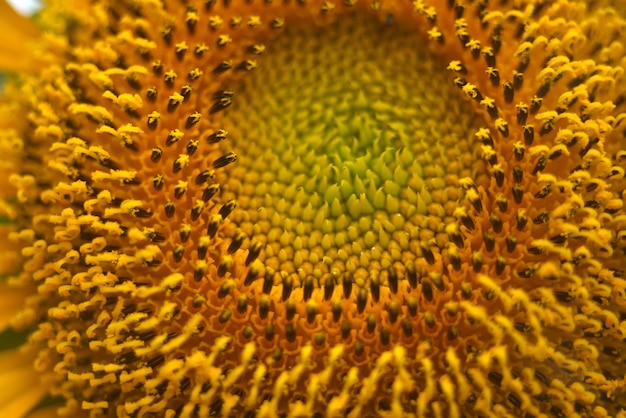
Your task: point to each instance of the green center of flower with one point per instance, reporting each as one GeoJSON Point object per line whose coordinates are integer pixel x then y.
{"type": "Point", "coordinates": [351, 145]}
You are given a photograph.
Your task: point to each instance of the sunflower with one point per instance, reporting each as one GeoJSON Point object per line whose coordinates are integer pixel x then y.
{"type": "Point", "coordinates": [303, 208]}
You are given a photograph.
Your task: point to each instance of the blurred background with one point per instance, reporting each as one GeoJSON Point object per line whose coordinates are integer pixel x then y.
{"type": "Point", "coordinates": [26, 7]}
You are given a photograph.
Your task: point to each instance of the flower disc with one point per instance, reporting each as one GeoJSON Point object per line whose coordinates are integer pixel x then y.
{"type": "Point", "coordinates": [308, 208]}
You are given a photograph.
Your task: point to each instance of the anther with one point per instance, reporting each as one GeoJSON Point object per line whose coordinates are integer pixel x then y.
{"type": "Point", "coordinates": [290, 309]}
{"type": "Point", "coordinates": [170, 208]}
{"type": "Point", "coordinates": [466, 290]}
{"type": "Point", "coordinates": [370, 323]}
{"type": "Point", "coordinates": [178, 253]}
{"type": "Point", "coordinates": [290, 332]}
{"type": "Point", "coordinates": [251, 276]}
{"type": "Point", "coordinates": [248, 332]}
{"type": "Point", "coordinates": [411, 305]}
{"type": "Point", "coordinates": [429, 319]}
{"type": "Point", "coordinates": [542, 218]}
{"type": "Point", "coordinates": [156, 154]}
{"type": "Point", "coordinates": [253, 252]}
{"type": "Point", "coordinates": [518, 193]}
{"type": "Point", "coordinates": [268, 282]}
{"type": "Point", "coordinates": [169, 77]}
{"type": "Point", "coordinates": [411, 274]}
{"type": "Point", "coordinates": [264, 306]}
{"type": "Point", "coordinates": [224, 160]}
{"type": "Point", "coordinates": [494, 76]}
{"type": "Point", "coordinates": [220, 104]}
{"type": "Point", "coordinates": [185, 92]}
{"type": "Point", "coordinates": [200, 50]}
{"type": "Point", "coordinates": [527, 273]}
{"type": "Point", "coordinates": [511, 243]}
{"type": "Point", "coordinates": [361, 300]}
{"type": "Point", "coordinates": [277, 23]}
{"type": "Point", "coordinates": [455, 258]}
{"type": "Point", "coordinates": [287, 288]}
{"type": "Point", "coordinates": [427, 290]}
{"type": "Point", "coordinates": [490, 56]}
{"type": "Point", "coordinates": [521, 219]}
{"type": "Point", "coordinates": [347, 286]}
{"type": "Point", "coordinates": [535, 104]}
{"type": "Point", "coordinates": [453, 333]}
{"type": "Point", "coordinates": [393, 310]}
{"type": "Point", "coordinates": [210, 191]}
{"type": "Point", "coordinates": [392, 279]}
{"type": "Point", "coordinates": [196, 209]}
{"type": "Point", "coordinates": [508, 92]}
{"type": "Point", "coordinates": [237, 241]}
{"type": "Point", "coordinates": [385, 336]}
{"type": "Point", "coordinates": [180, 189]}
{"type": "Point", "coordinates": [223, 66]}
{"type": "Point", "coordinates": [522, 113]}
{"type": "Point", "coordinates": [192, 147]}
{"type": "Point", "coordinates": [329, 287]}
{"type": "Point", "coordinates": [518, 151]}
{"type": "Point", "coordinates": [153, 120]}
{"type": "Point", "coordinates": [157, 67]}
{"type": "Point", "coordinates": [467, 221]}
{"type": "Point", "coordinates": [214, 223]}
{"type": "Point", "coordinates": [518, 174]}
{"type": "Point", "coordinates": [157, 182]}
{"type": "Point", "coordinates": [427, 253]}
{"type": "Point", "coordinates": [228, 208]}
{"type": "Point", "coordinates": [269, 332]}
{"type": "Point", "coordinates": [191, 19]}
{"type": "Point", "coordinates": [437, 280]}
{"type": "Point", "coordinates": [199, 271]}
{"type": "Point", "coordinates": [247, 65]}
{"type": "Point", "coordinates": [541, 164]}
{"type": "Point", "coordinates": [204, 176]}
{"type": "Point", "coordinates": [151, 95]}
{"type": "Point", "coordinates": [312, 311]}
{"type": "Point", "coordinates": [307, 287]}
{"type": "Point", "coordinates": [544, 192]}
{"type": "Point", "coordinates": [529, 134]}
{"type": "Point", "coordinates": [336, 310]}
{"type": "Point", "coordinates": [225, 288]}
{"type": "Point", "coordinates": [498, 174]}
{"type": "Point", "coordinates": [179, 163]}
{"type": "Point", "coordinates": [503, 127]}
{"type": "Point", "coordinates": [192, 120]}
{"type": "Point", "coordinates": [476, 258]}
{"type": "Point", "coordinates": [203, 247]}
{"type": "Point", "coordinates": [174, 101]}
{"type": "Point", "coordinates": [184, 232]}
{"type": "Point", "coordinates": [489, 240]}
{"type": "Point", "coordinates": [217, 136]}
{"type": "Point", "coordinates": [500, 264]}
{"type": "Point", "coordinates": [496, 222]}
{"type": "Point", "coordinates": [242, 304]}
{"type": "Point", "coordinates": [194, 74]}
{"type": "Point", "coordinates": [518, 80]}
{"type": "Point", "coordinates": [375, 287]}
{"type": "Point", "coordinates": [502, 202]}
{"type": "Point", "coordinates": [407, 328]}
{"type": "Point", "coordinates": [345, 329]}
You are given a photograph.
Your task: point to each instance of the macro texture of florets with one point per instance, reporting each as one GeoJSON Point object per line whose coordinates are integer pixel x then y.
{"type": "Point", "coordinates": [299, 208]}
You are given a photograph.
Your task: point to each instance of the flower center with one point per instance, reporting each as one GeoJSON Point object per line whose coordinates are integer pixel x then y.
{"type": "Point", "coordinates": [349, 159]}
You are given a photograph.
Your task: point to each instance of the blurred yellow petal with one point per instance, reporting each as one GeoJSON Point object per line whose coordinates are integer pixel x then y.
{"type": "Point", "coordinates": [15, 39]}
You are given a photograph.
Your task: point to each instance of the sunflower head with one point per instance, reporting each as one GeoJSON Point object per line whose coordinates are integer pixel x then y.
{"type": "Point", "coordinates": [315, 208]}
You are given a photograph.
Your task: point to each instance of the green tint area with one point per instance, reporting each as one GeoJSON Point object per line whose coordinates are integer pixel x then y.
{"type": "Point", "coordinates": [12, 339]}
{"type": "Point", "coordinates": [351, 144]}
